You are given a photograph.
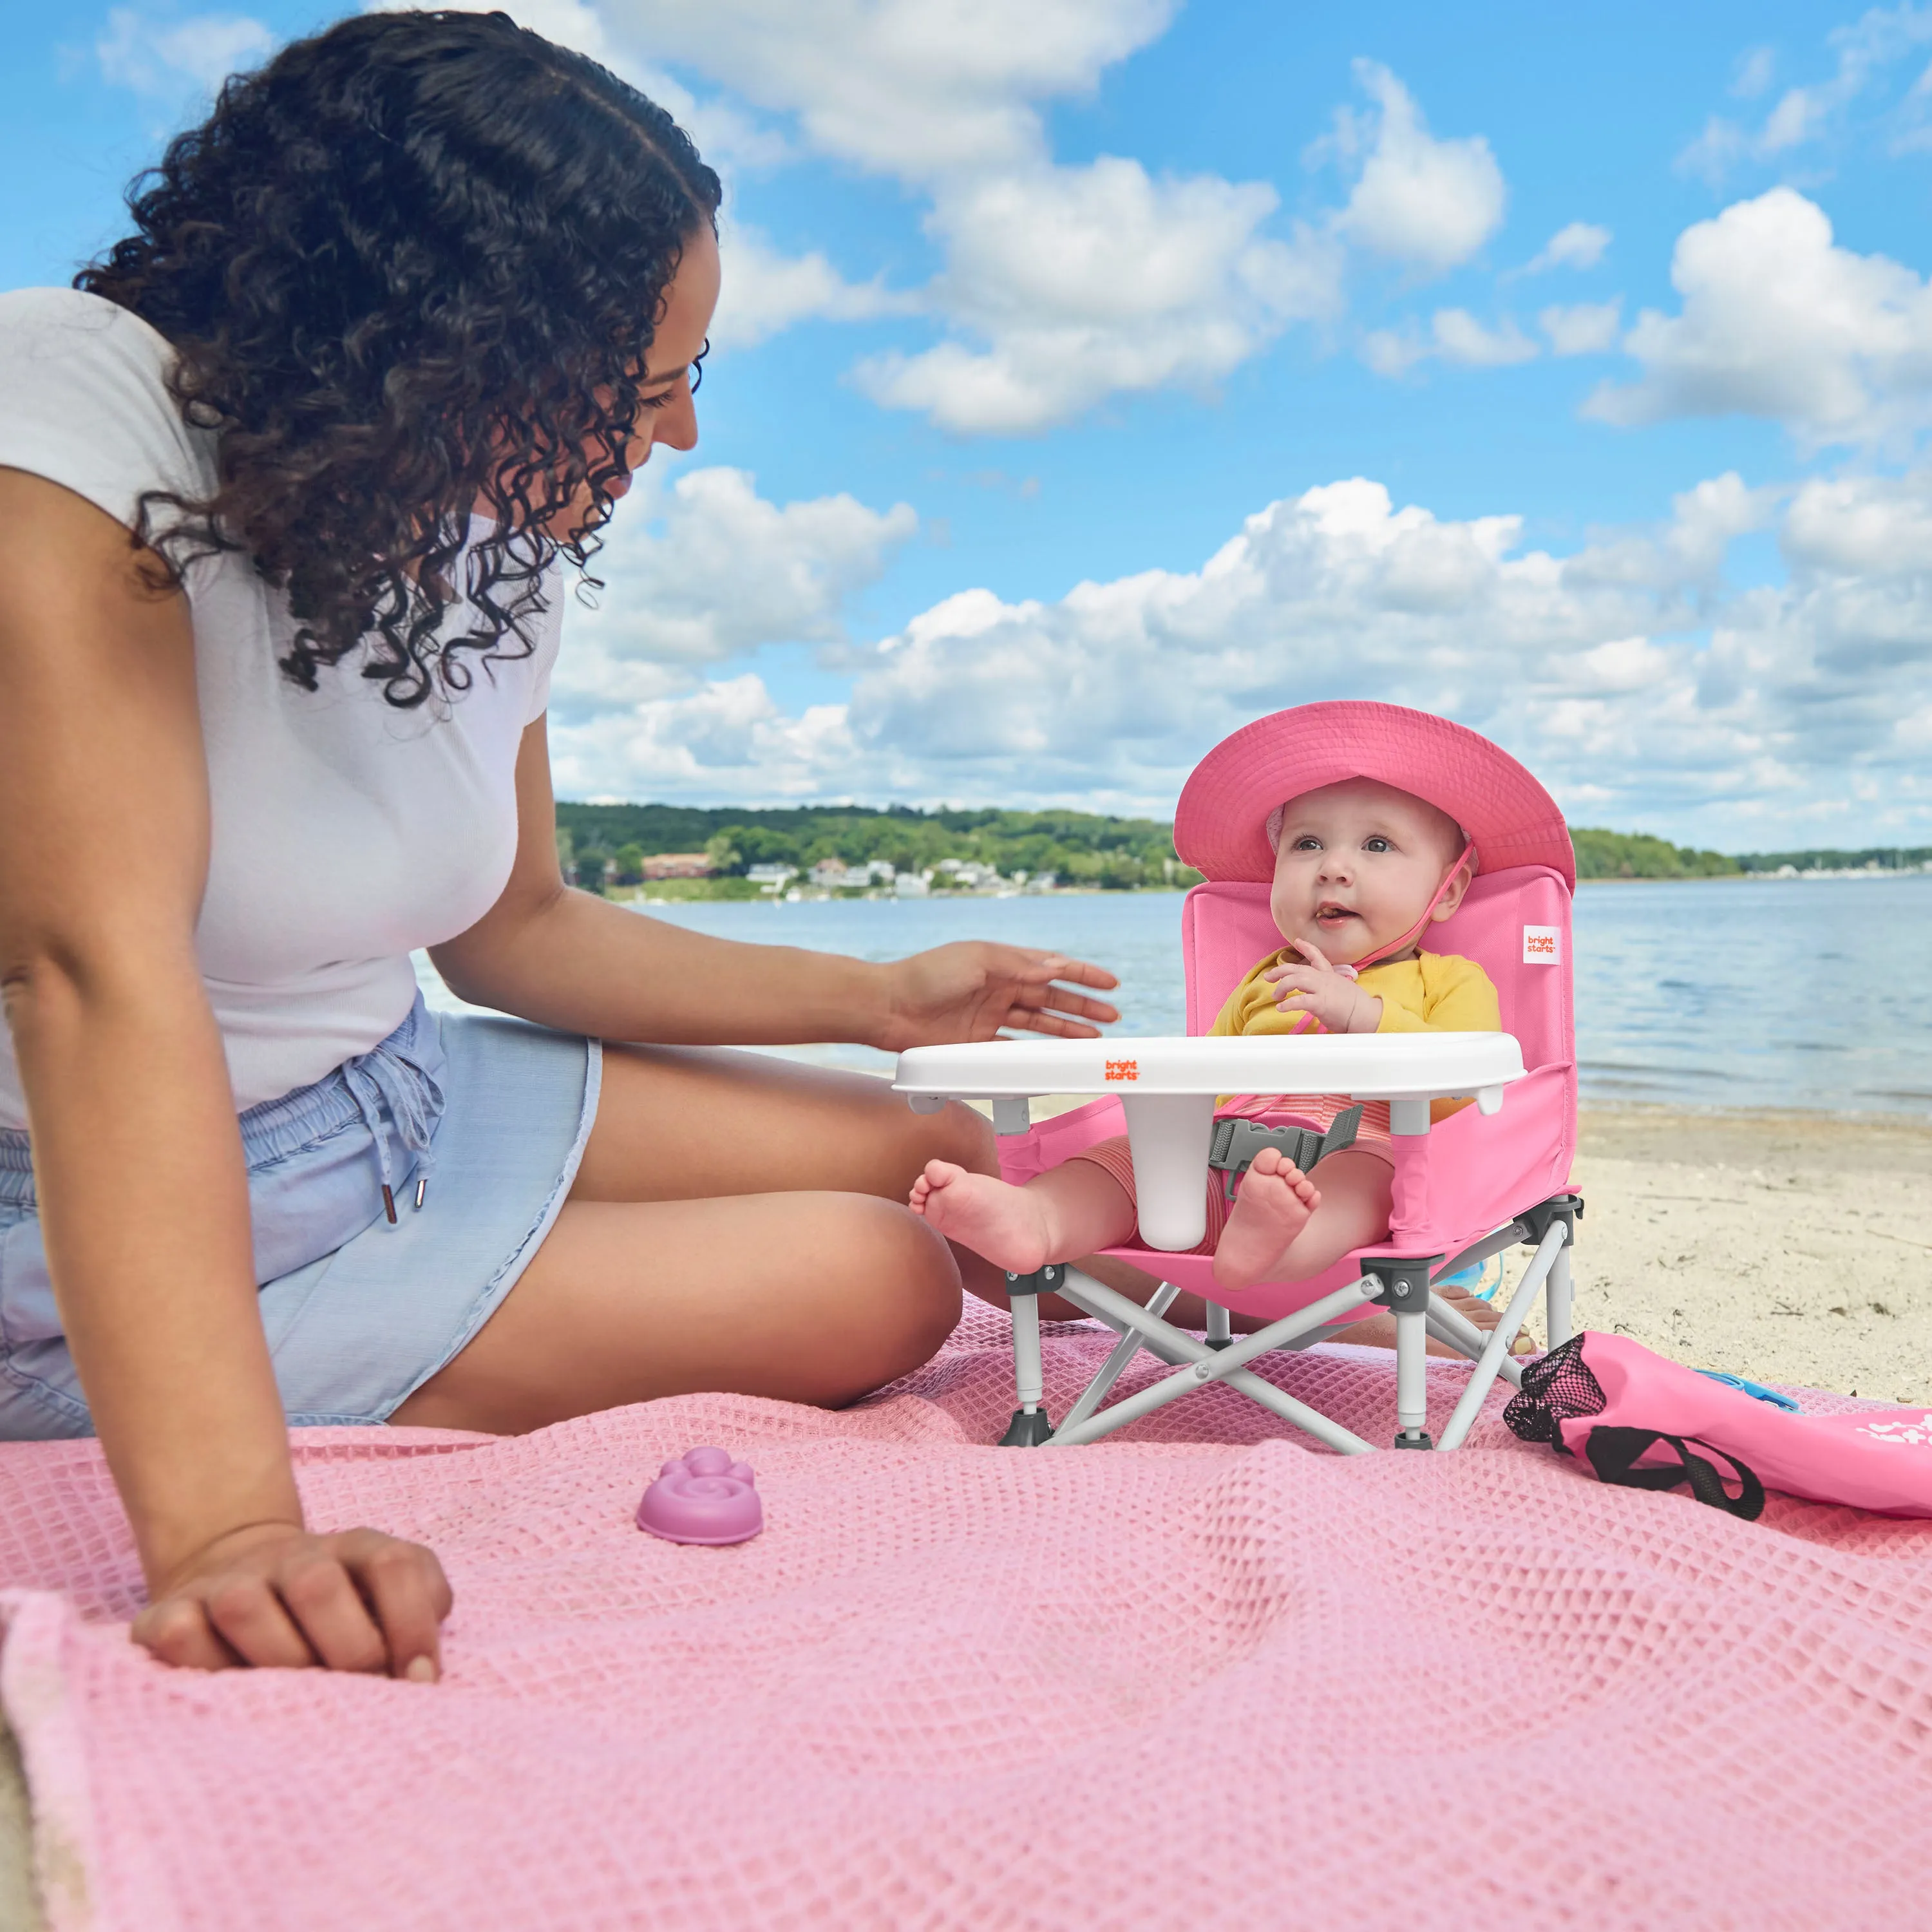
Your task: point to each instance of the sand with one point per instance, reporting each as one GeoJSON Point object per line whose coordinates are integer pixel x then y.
{"type": "Point", "coordinates": [1790, 1247]}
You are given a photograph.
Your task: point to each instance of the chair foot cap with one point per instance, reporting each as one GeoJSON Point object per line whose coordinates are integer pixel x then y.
{"type": "Point", "coordinates": [1025, 1431]}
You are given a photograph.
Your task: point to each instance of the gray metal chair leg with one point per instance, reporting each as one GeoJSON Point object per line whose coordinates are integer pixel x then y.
{"type": "Point", "coordinates": [1458, 1332]}
{"type": "Point", "coordinates": [1496, 1349]}
{"type": "Point", "coordinates": [1563, 1210]}
{"type": "Point", "coordinates": [1030, 1426]}
{"type": "Point", "coordinates": [1560, 1300]}
{"type": "Point", "coordinates": [1220, 1326]}
{"type": "Point", "coordinates": [1404, 1291]}
{"type": "Point", "coordinates": [1229, 1364]}
{"type": "Point", "coordinates": [1411, 1378]}
{"type": "Point", "coordinates": [1129, 1345]}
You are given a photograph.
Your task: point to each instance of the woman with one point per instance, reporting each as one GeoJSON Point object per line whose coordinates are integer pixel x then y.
{"type": "Point", "coordinates": [287, 484]}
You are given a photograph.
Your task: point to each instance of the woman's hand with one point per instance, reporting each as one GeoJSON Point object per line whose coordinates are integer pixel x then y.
{"type": "Point", "coordinates": [1332, 996]}
{"type": "Point", "coordinates": [271, 1594]}
{"type": "Point", "coordinates": [969, 990]}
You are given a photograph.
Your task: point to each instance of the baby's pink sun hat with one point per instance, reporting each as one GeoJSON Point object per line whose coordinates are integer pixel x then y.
{"type": "Point", "coordinates": [1220, 827]}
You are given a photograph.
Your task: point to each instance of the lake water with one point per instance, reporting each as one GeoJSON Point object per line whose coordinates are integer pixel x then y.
{"type": "Point", "coordinates": [1773, 993]}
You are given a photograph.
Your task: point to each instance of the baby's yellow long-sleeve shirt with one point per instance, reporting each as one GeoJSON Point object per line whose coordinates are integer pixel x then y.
{"type": "Point", "coordinates": [1434, 992]}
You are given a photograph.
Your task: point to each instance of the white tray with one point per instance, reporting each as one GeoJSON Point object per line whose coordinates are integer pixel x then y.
{"type": "Point", "coordinates": [1370, 1065]}
{"type": "Point", "coordinates": [1168, 1085]}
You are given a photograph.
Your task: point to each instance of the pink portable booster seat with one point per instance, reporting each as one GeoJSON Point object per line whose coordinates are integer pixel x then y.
{"type": "Point", "coordinates": [1469, 1175]}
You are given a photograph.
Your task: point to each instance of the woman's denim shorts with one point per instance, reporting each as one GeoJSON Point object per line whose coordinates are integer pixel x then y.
{"type": "Point", "coordinates": [394, 1205]}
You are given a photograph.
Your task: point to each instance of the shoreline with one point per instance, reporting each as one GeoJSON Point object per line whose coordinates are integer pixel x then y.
{"type": "Point", "coordinates": [636, 894]}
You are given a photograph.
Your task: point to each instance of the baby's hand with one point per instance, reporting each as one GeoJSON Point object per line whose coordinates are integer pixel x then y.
{"type": "Point", "coordinates": [1316, 987]}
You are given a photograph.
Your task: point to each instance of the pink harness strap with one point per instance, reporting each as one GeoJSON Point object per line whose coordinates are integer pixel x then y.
{"type": "Point", "coordinates": [1355, 969]}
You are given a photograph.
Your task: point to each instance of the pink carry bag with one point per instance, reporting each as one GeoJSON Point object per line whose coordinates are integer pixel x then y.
{"type": "Point", "coordinates": [1650, 1423]}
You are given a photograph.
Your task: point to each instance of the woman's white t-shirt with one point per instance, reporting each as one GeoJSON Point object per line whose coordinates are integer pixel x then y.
{"type": "Point", "coordinates": [345, 832]}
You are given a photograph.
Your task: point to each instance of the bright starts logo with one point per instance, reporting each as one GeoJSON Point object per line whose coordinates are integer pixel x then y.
{"type": "Point", "coordinates": [1542, 945]}
{"type": "Point", "coordinates": [1124, 1070]}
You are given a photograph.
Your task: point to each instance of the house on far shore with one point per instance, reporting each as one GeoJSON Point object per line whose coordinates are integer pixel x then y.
{"type": "Point", "coordinates": [834, 875]}
{"type": "Point", "coordinates": [772, 878]}
{"type": "Point", "coordinates": [678, 865]}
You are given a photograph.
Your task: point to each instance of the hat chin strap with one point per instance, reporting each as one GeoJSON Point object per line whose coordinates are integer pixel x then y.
{"type": "Point", "coordinates": [1357, 967]}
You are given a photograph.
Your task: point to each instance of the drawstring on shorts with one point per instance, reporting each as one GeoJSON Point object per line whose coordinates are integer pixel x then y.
{"type": "Point", "coordinates": [412, 1104]}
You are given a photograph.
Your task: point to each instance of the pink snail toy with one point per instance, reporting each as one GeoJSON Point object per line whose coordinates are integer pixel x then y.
{"type": "Point", "coordinates": [702, 1496]}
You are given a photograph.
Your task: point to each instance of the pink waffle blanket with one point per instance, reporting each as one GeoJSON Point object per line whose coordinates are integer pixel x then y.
{"type": "Point", "coordinates": [1204, 1677]}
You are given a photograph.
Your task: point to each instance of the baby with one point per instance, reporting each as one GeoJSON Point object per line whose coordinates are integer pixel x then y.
{"type": "Point", "coordinates": [1362, 870]}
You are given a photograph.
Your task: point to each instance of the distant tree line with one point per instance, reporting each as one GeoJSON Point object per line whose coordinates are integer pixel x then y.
{"type": "Point", "coordinates": [1078, 848]}
{"type": "Point", "coordinates": [1081, 848]}
{"type": "Point", "coordinates": [1637, 855]}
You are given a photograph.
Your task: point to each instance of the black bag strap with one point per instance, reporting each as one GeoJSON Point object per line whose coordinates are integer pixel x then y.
{"type": "Point", "coordinates": [1613, 1454]}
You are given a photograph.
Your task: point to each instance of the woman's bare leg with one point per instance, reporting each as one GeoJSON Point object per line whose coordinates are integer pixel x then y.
{"type": "Point", "coordinates": [805, 1297]}
{"type": "Point", "coordinates": [684, 1124]}
{"type": "Point", "coordinates": [737, 1222]}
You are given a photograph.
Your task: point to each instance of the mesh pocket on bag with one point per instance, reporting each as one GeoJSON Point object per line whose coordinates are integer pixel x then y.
{"type": "Point", "coordinates": [1554, 1389]}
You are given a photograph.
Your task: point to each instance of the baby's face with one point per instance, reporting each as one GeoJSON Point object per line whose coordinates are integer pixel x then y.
{"type": "Point", "coordinates": [1357, 863]}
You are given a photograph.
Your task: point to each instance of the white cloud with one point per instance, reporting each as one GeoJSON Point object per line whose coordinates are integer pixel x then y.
{"type": "Point", "coordinates": [1629, 674]}
{"type": "Point", "coordinates": [703, 569]}
{"type": "Point", "coordinates": [1867, 527]}
{"type": "Point", "coordinates": [1685, 555]}
{"type": "Point", "coordinates": [1454, 336]}
{"type": "Point", "coordinates": [765, 291]}
{"type": "Point", "coordinates": [1755, 67]}
{"type": "Point", "coordinates": [1583, 665]}
{"type": "Point", "coordinates": [1062, 285]}
{"type": "Point", "coordinates": [1581, 328]}
{"type": "Point", "coordinates": [1430, 204]}
{"type": "Point", "coordinates": [1066, 285]}
{"type": "Point", "coordinates": [1394, 352]}
{"type": "Point", "coordinates": [162, 58]}
{"type": "Point", "coordinates": [728, 135]}
{"type": "Point", "coordinates": [1578, 245]}
{"type": "Point", "coordinates": [728, 740]}
{"type": "Point", "coordinates": [1864, 52]}
{"type": "Point", "coordinates": [1461, 338]}
{"type": "Point", "coordinates": [1778, 322]}
{"type": "Point", "coordinates": [1717, 149]}
{"type": "Point", "coordinates": [907, 88]}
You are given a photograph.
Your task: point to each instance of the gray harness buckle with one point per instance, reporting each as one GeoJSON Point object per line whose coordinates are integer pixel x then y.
{"type": "Point", "coordinates": [1236, 1142]}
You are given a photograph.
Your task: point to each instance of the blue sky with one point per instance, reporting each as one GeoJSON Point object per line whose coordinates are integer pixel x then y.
{"type": "Point", "coordinates": [1094, 375]}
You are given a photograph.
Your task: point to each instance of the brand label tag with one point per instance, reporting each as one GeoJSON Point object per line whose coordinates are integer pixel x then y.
{"type": "Point", "coordinates": [1542, 945]}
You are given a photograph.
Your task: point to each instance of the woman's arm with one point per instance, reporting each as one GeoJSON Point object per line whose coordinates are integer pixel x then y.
{"type": "Point", "coordinates": [575, 962]}
{"type": "Point", "coordinates": [138, 1165]}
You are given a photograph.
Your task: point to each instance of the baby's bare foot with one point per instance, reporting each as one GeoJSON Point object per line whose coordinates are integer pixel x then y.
{"type": "Point", "coordinates": [1272, 1206]}
{"type": "Point", "coordinates": [1000, 1222]}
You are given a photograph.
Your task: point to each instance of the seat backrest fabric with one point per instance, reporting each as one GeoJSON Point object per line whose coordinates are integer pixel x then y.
{"type": "Point", "coordinates": [1514, 924]}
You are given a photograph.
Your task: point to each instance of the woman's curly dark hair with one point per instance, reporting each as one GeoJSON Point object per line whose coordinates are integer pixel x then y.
{"type": "Point", "coordinates": [411, 266]}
